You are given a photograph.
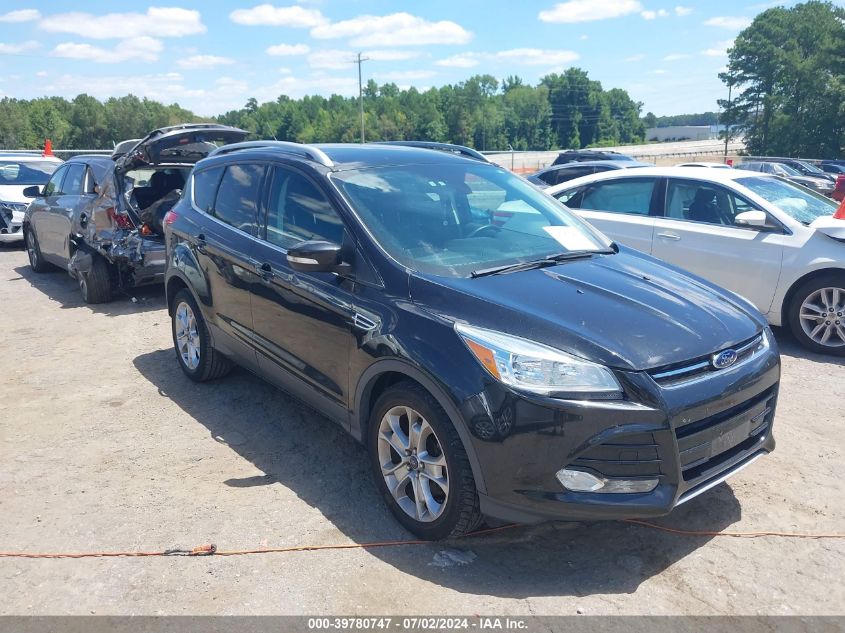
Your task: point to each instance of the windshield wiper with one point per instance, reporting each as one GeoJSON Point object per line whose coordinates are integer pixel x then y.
{"type": "Point", "coordinates": [551, 260]}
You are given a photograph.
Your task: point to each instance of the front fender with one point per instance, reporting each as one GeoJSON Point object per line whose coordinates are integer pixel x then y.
{"type": "Point", "coordinates": [393, 365]}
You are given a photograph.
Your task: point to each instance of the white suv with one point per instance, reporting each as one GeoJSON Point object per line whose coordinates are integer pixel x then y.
{"type": "Point", "coordinates": [17, 172]}
{"type": "Point", "coordinates": [775, 243]}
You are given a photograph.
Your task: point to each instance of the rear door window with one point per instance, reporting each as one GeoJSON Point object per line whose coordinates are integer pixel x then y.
{"type": "Point", "coordinates": [629, 195]}
{"type": "Point", "coordinates": [72, 185]}
{"type": "Point", "coordinates": [238, 196]}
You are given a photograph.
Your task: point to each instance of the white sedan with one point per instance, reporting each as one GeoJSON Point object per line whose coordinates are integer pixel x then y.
{"type": "Point", "coordinates": [774, 243]}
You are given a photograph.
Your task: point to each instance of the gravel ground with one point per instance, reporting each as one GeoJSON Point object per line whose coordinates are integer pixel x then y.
{"type": "Point", "coordinates": [104, 445]}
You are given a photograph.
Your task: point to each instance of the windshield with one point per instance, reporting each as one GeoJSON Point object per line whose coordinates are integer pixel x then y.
{"type": "Point", "coordinates": [14, 172]}
{"type": "Point", "coordinates": [797, 202]}
{"type": "Point", "coordinates": [782, 169]}
{"type": "Point", "coordinates": [451, 220]}
{"type": "Point", "coordinates": [810, 169]}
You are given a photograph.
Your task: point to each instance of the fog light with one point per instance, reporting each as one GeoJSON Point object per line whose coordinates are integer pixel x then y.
{"type": "Point", "coordinates": [580, 481]}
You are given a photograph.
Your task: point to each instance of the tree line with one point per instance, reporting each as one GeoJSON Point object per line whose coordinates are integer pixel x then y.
{"type": "Point", "coordinates": [567, 110]}
{"type": "Point", "coordinates": [786, 72]}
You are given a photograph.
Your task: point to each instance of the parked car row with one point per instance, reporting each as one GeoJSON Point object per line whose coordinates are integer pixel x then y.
{"type": "Point", "coordinates": [497, 355]}
{"type": "Point", "coordinates": [17, 172]}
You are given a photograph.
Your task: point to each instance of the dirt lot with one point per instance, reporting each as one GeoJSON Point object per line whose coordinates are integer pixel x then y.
{"type": "Point", "coordinates": [104, 445]}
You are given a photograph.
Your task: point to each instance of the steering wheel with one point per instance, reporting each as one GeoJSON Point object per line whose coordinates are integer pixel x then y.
{"type": "Point", "coordinates": [481, 229]}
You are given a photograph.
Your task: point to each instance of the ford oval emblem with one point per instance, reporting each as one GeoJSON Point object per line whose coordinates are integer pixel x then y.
{"type": "Point", "coordinates": [725, 359]}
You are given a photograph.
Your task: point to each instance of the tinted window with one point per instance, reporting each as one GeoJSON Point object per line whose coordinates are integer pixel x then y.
{"type": "Point", "coordinates": [53, 187]}
{"type": "Point", "coordinates": [72, 185]}
{"type": "Point", "coordinates": [703, 202]}
{"type": "Point", "coordinates": [238, 195]}
{"type": "Point", "coordinates": [205, 187]}
{"type": "Point", "coordinates": [298, 211]}
{"type": "Point", "coordinates": [631, 195]}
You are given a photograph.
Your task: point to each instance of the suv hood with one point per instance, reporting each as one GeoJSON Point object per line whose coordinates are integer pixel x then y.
{"type": "Point", "coordinates": [178, 145]}
{"type": "Point", "coordinates": [627, 310]}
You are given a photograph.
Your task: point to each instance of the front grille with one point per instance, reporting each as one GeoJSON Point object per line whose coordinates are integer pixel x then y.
{"type": "Point", "coordinates": [682, 373]}
{"type": "Point", "coordinates": [705, 445]}
{"type": "Point", "coordinates": [631, 455]}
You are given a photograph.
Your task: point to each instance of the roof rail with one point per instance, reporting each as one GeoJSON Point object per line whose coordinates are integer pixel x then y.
{"type": "Point", "coordinates": [308, 151]}
{"type": "Point", "coordinates": [443, 147]}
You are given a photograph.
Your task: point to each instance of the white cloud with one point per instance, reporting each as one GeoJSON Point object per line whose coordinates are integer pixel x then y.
{"type": "Point", "coordinates": [283, 50]}
{"type": "Point", "coordinates": [462, 60]}
{"type": "Point", "coordinates": [16, 49]}
{"type": "Point", "coordinates": [396, 29]}
{"type": "Point", "coordinates": [634, 58]}
{"type": "Point", "coordinates": [315, 83]}
{"type": "Point", "coordinates": [682, 11]}
{"type": "Point", "coordinates": [157, 21]}
{"type": "Point", "coordinates": [143, 48]}
{"type": "Point", "coordinates": [538, 57]}
{"type": "Point", "coordinates": [675, 57]}
{"type": "Point", "coordinates": [21, 15]}
{"type": "Point", "coordinates": [732, 23]}
{"type": "Point", "coordinates": [204, 61]}
{"type": "Point", "coordinates": [719, 50]}
{"type": "Point", "coordinates": [584, 37]}
{"type": "Point", "coordinates": [41, 73]}
{"type": "Point", "coordinates": [589, 10]}
{"type": "Point", "coordinates": [331, 59]}
{"type": "Point", "coordinates": [651, 15]}
{"type": "Point", "coordinates": [659, 71]}
{"type": "Point", "coordinates": [268, 15]}
{"type": "Point", "coordinates": [387, 55]}
{"type": "Point", "coordinates": [404, 75]}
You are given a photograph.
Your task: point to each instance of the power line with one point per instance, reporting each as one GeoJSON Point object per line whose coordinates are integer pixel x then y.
{"type": "Point", "coordinates": [360, 60]}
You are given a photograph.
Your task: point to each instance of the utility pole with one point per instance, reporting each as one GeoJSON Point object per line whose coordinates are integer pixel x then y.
{"type": "Point", "coordinates": [727, 119]}
{"type": "Point", "coordinates": [360, 60]}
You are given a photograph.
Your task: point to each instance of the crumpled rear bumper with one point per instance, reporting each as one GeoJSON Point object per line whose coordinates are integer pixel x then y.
{"type": "Point", "coordinates": [140, 260]}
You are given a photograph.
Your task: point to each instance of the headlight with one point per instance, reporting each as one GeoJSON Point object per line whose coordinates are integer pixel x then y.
{"type": "Point", "coordinates": [537, 368]}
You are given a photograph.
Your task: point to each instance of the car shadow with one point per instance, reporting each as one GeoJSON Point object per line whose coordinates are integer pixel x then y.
{"type": "Point", "coordinates": [789, 346]}
{"type": "Point", "coordinates": [299, 449]}
{"type": "Point", "coordinates": [64, 290]}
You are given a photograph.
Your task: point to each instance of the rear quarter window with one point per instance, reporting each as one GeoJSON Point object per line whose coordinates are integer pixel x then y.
{"type": "Point", "coordinates": [205, 187]}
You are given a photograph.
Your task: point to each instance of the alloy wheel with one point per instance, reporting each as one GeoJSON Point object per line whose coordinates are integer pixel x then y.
{"type": "Point", "coordinates": [413, 464]}
{"type": "Point", "coordinates": [822, 317]}
{"type": "Point", "coordinates": [187, 336]}
{"type": "Point", "coordinates": [31, 250]}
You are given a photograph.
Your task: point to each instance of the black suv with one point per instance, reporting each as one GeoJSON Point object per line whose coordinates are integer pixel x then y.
{"type": "Point", "coordinates": [581, 155]}
{"type": "Point", "coordinates": [497, 356]}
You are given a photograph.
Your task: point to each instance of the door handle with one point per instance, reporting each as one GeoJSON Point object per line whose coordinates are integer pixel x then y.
{"type": "Point", "coordinates": [669, 236]}
{"type": "Point", "coordinates": [265, 271]}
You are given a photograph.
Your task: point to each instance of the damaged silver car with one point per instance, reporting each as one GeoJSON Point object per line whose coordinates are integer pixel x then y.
{"type": "Point", "coordinates": [100, 218]}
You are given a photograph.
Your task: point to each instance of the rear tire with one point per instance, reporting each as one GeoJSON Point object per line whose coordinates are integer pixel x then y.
{"type": "Point", "coordinates": [95, 285]}
{"type": "Point", "coordinates": [408, 464]}
{"type": "Point", "coordinates": [196, 356]}
{"type": "Point", "coordinates": [33, 251]}
{"type": "Point", "coordinates": [817, 314]}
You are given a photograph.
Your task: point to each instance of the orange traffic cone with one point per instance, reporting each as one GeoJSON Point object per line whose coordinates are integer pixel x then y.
{"type": "Point", "coordinates": [48, 148]}
{"type": "Point", "coordinates": [840, 212]}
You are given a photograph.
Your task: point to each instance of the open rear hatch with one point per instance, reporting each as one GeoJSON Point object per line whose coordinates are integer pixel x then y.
{"type": "Point", "coordinates": [178, 145]}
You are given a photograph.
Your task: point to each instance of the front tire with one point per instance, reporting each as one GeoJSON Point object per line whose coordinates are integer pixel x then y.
{"type": "Point", "coordinates": [817, 314]}
{"type": "Point", "coordinates": [197, 358]}
{"type": "Point", "coordinates": [33, 251]}
{"type": "Point", "coordinates": [420, 465]}
{"type": "Point", "coordinates": [95, 285]}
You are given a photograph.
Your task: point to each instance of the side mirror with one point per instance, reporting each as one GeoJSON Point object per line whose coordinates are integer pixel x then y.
{"type": "Point", "coordinates": [314, 256]}
{"type": "Point", "coordinates": [752, 219]}
{"type": "Point", "coordinates": [33, 192]}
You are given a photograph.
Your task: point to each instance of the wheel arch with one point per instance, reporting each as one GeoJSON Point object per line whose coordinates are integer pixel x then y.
{"type": "Point", "coordinates": [385, 373]}
{"type": "Point", "coordinates": [790, 294]}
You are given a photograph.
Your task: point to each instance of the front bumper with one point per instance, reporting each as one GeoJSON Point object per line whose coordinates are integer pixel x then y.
{"type": "Point", "coordinates": [11, 225]}
{"type": "Point", "coordinates": [690, 437]}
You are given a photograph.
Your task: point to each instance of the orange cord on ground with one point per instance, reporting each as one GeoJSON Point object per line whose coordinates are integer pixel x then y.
{"type": "Point", "coordinates": [211, 550]}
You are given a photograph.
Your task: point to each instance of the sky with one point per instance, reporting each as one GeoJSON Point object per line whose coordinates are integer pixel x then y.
{"type": "Point", "coordinates": [210, 57]}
